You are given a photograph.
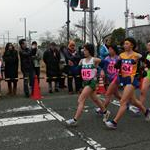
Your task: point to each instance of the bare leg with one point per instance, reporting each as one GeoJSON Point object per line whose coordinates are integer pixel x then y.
{"type": "Point", "coordinates": [144, 90]}
{"type": "Point", "coordinates": [112, 89]}
{"type": "Point", "coordinates": [138, 104]}
{"type": "Point", "coordinates": [127, 94]}
{"type": "Point", "coordinates": [98, 102]}
{"type": "Point", "coordinates": [117, 94]}
{"type": "Point", "coordinates": [81, 101]}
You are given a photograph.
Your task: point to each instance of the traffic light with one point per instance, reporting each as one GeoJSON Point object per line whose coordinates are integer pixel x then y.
{"type": "Point", "coordinates": [84, 4]}
{"type": "Point", "coordinates": [140, 17]}
{"type": "Point", "coordinates": [74, 3]}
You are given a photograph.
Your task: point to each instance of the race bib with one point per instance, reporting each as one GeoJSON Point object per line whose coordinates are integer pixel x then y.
{"type": "Point", "coordinates": [127, 68]}
{"type": "Point", "coordinates": [111, 69]}
{"type": "Point", "coordinates": [86, 74]}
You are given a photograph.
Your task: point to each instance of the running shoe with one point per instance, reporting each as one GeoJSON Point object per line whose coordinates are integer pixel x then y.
{"type": "Point", "coordinates": [106, 116]}
{"type": "Point", "coordinates": [99, 111]}
{"type": "Point", "coordinates": [71, 122]}
{"type": "Point", "coordinates": [111, 124]}
{"type": "Point", "coordinates": [147, 115]}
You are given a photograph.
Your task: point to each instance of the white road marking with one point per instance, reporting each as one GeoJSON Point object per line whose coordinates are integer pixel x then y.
{"type": "Point", "coordinates": [31, 119]}
{"type": "Point", "coordinates": [88, 140]}
{"type": "Point", "coordinates": [83, 148]}
{"type": "Point", "coordinates": [88, 148]}
{"type": "Point", "coordinates": [26, 108]}
{"type": "Point", "coordinates": [117, 103]}
{"type": "Point", "coordinates": [26, 120]}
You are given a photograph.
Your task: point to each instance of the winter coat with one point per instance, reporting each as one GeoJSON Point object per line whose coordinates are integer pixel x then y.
{"type": "Point", "coordinates": [10, 59]}
{"type": "Point", "coordinates": [26, 60]}
{"type": "Point", "coordinates": [52, 59]}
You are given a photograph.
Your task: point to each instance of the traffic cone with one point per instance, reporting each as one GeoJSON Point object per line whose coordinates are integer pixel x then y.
{"type": "Point", "coordinates": [101, 88]}
{"type": "Point", "coordinates": [36, 93]}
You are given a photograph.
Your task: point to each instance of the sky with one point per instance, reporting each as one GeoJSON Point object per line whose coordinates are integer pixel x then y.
{"type": "Point", "coordinates": [50, 15]}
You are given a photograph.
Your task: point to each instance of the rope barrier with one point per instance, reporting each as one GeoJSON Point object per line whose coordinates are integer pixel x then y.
{"type": "Point", "coordinates": [54, 77]}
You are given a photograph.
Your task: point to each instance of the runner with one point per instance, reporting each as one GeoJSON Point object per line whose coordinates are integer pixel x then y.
{"type": "Point", "coordinates": [112, 74]}
{"type": "Point", "coordinates": [146, 80]}
{"type": "Point", "coordinates": [89, 71]}
{"type": "Point", "coordinates": [128, 63]}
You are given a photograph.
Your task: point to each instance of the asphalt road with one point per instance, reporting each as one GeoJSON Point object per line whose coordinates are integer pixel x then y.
{"type": "Point", "coordinates": [26, 126]}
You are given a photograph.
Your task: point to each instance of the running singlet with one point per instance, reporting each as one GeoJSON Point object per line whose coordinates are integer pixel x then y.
{"type": "Point", "coordinates": [89, 70]}
{"type": "Point", "coordinates": [148, 71]}
{"type": "Point", "coordinates": [127, 66]}
{"type": "Point", "coordinates": [148, 57]}
{"type": "Point", "coordinates": [109, 65]}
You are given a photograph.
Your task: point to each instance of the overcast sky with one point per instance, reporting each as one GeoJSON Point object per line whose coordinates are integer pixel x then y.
{"type": "Point", "coordinates": [43, 15]}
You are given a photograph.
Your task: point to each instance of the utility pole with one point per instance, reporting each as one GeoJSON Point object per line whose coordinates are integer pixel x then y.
{"type": "Point", "coordinates": [3, 40]}
{"type": "Point", "coordinates": [126, 18]}
{"type": "Point", "coordinates": [68, 21]}
{"type": "Point", "coordinates": [8, 35]}
{"type": "Point", "coordinates": [25, 26]}
{"type": "Point", "coordinates": [91, 16]}
{"type": "Point", "coordinates": [84, 26]}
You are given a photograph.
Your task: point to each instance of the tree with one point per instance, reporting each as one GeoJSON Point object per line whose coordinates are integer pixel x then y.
{"type": "Point", "coordinates": [45, 39]}
{"type": "Point", "coordinates": [62, 37]}
{"type": "Point", "coordinates": [100, 30]}
{"type": "Point", "coordinates": [118, 36]}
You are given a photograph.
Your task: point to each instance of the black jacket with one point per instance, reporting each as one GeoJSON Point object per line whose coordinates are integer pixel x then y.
{"type": "Point", "coordinates": [75, 58]}
{"type": "Point", "coordinates": [52, 60]}
{"type": "Point", "coordinates": [26, 60]}
{"type": "Point", "coordinates": [11, 63]}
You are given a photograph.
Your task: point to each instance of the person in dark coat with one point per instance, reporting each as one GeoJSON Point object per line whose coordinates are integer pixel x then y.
{"type": "Point", "coordinates": [27, 67]}
{"type": "Point", "coordinates": [63, 67]}
{"type": "Point", "coordinates": [72, 60]}
{"type": "Point", "coordinates": [51, 59]}
{"type": "Point", "coordinates": [10, 59]}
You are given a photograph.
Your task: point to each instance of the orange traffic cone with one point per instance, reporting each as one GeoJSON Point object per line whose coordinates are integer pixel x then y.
{"type": "Point", "coordinates": [101, 88]}
{"type": "Point", "coordinates": [36, 94]}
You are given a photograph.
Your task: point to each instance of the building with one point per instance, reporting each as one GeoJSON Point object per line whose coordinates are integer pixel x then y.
{"type": "Point", "coordinates": [140, 33]}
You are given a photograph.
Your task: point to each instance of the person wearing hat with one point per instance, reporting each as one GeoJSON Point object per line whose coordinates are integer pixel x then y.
{"type": "Point", "coordinates": [72, 60]}
{"type": "Point", "coordinates": [128, 67]}
{"type": "Point", "coordinates": [51, 59]}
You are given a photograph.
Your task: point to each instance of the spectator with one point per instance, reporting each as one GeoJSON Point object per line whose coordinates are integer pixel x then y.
{"type": "Point", "coordinates": [27, 67]}
{"type": "Point", "coordinates": [72, 60]}
{"type": "Point", "coordinates": [36, 56]}
{"type": "Point", "coordinates": [10, 59]}
{"type": "Point", "coordinates": [51, 58]}
{"type": "Point", "coordinates": [63, 66]}
{"type": "Point", "coordinates": [103, 51]}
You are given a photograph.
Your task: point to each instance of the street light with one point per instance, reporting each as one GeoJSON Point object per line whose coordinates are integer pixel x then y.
{"type": "Point", "coordinates": [25, 26]}
{"type": "Point", "coordinates": [91, 11]}
{"type": "Point", "coordinates": [68, 19]}
{"type": "Point", "coordinates": [126, 18]}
